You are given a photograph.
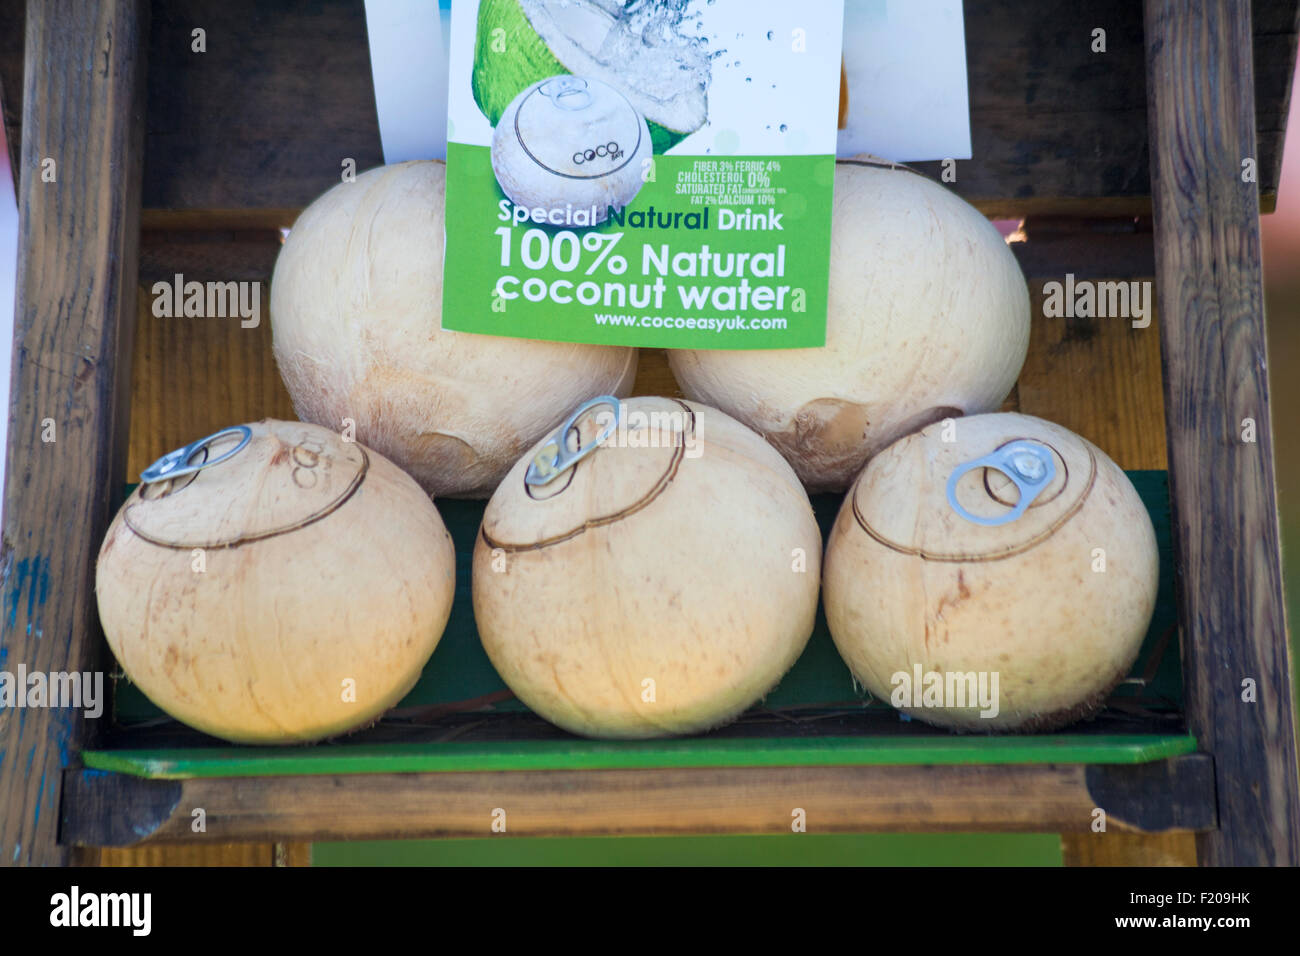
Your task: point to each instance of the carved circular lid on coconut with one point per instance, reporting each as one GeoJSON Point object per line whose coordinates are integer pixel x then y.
{"type": "Point", "coordinates": [577, 127]}
{"type": "Point", "coordinates": [245, 483]}
{"type": "Point", "coordinates": [617, 458]}
{"type": "Point", "coordinates": [975, 489]}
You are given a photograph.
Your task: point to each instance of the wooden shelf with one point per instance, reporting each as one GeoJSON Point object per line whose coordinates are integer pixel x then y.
{"type": "Point", "coordinates": [114, 809]}
{"type": "Point", "coordinates": [459, 741]}
{"type": "Point", "coordinates": [215, 152]}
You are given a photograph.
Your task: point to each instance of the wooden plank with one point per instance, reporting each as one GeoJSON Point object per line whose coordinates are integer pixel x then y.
{"type": "Point", "coordinates": [268, 114]}
{"type": "Point", "coordinates": [75, 310]}
{"type": "Point", "coordinates": [1085, 247]}
{"type": "Point", "coordinates": [1128, 849]}
{"type": "Point", "coordinates": [210, 254]}
{"type": "Point", "coordinates": [1167, 795]}
{"type": "Point", "coordinates": [209, 854]}
{"type": "Point", "coordinates": [257, 122]}
{"type": "Point", "coordinates": [1099, 377]}
{"type": "Point", "coordinates": [216, 854]}
{"type": "Point", "coordinates": [1215, 369]}
{"type": "Point", "coordinates": [12, 31]}
{"type": "Point", "coordinates": [1052, 120]}
{"type": "Point", "coordinates": [194, 376]}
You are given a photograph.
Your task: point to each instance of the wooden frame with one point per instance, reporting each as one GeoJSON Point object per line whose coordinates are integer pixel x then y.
{"type": "Point", "coordinates": [1196, 119]}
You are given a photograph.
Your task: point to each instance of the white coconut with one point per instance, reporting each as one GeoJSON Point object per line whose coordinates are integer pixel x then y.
{"type": "Point", "coordinates": [928, 319]}
{"type": "Point", "coordinates": [911, 582]}
{"type": "Point", "coordinates": [292, 592]}
{"type": "Point", "coordinates": [356, 312]}
{"type": "Point", "coordinates": [660, 586]}
{"type": "Point", "coordinates": [570, 145]}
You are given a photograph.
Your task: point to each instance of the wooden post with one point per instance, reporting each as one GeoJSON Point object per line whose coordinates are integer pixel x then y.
{"type": "Point", "coordinates": [79, 207]}
{"type": "Point", "coordinates": [1201, 104]}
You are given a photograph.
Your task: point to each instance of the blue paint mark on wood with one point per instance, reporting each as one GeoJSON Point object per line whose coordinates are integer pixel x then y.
{"type": "Point", "coordinates": [32, 576]}
{"type": "Point", "coordinates": [19, 575]}
{"type": "Point", "coordinates": [33, 591]}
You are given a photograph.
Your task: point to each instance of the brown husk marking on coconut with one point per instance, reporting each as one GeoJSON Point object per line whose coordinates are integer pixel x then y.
{"type": "Point", "coordinates": [325, 512]}
{"type": "Point", "coordinates": [679, 453]}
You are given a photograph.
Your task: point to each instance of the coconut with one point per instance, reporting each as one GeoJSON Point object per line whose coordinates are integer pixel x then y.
{"type": "Point", "coordinates": [291, 591]}
{"type": "Point", "coordinates": [928, 318]}
{"type": "Point", "coordinates": [638, 51]}
{"type": "Point", "coordinates": [570, 143]}
{"type": "Point", "coordinates": [660, 585]}
{"type": "Point", "coordinates": [1036, 579]}
{"type": "Point", "coordinates": [356, 314]}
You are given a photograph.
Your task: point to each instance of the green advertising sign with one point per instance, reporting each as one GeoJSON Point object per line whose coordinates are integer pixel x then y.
{"type": "Point", "coordinates": [628, 178]}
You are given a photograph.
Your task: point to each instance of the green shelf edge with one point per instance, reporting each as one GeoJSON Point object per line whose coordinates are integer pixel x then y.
{"type": "Point", "coordinates": [637, 755]}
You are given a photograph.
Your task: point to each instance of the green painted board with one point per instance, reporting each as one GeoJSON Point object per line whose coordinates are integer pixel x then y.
{"type": "Point", "coordinates": [789, 849]}
{"type": "Point", "coordinates": [620, 755]}
{"type": "Point", "coordinates": [460, 671]}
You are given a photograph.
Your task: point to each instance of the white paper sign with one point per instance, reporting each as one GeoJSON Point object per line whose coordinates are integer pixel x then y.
{"type": "Point", "coordinates": [905, 61]}
{"type": "Point", "coordinates": [408, 59]}
{"type": "Point", "coordinates": [906, 66]}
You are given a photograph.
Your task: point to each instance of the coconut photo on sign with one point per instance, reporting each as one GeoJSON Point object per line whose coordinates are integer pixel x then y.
{"type": "Point", "coordinates": [645, 173]}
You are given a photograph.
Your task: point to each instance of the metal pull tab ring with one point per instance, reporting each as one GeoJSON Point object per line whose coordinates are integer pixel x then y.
{"type": "Point", "coordinates": [175, 464]}
{"type": "Point", "coordinates": [554, 457]}
{"type": "Point", "coordinates": [1027, 463]}
{"type": "Point", "coordinates": [567, 92]}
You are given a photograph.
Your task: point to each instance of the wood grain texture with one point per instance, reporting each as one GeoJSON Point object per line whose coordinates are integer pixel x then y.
{"type": "Point", "coordinates": [654, 377]}
{"type": "Point", "coordinates": [268, 114]}
{"type": "Point", "coordinates": [194, 376]}
{"type": "Point", "coordinates": [83, 99]}
{"type": "Point", "coordinates": [1097, 377]}
{"type": "Point", "coordinates": [284, 93]}
{"type": "Point", "coordinates": [1026, 798]}
{"type": "Point", "coordinates": [211, 253]}
{"type": "Point", "coordinates": [1216, 374]}
{"type": "Point", "coordinates": [1128, 849]}
{"type": "Point", "coordinates": [199, 854]}
{"type": "Point", "coordinates": [1086, 247]}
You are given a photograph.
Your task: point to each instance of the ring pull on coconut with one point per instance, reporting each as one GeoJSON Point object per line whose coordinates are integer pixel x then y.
{"type": "Point", "coordinates": [568, 92]}
{"type": "Point", "coordinates": [1027, 463]}
{"type": "Point", "coordinates": [555, 457]}
{"type": "Point", "coordinates": [177, 464]}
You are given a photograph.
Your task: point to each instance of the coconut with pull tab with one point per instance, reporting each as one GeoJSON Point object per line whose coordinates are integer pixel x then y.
{"type": "Point", "coordinates": [999, 580]}
{"type": "Point", "coordinates": [568, 148]}
{"type": "Point", "coordinates": [649, 569]}
{"type": "Point", "coordinates": [275, 584]}
{"type": "Point", "coordinates": [927, 319]}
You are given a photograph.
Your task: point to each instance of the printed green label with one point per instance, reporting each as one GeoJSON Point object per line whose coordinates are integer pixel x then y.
{"type": "Point", "coordinates": [728, 252]}
{"type": "Point", "coordinates": [623, 176]}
